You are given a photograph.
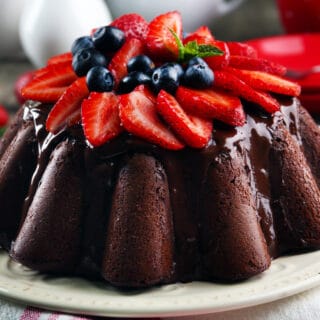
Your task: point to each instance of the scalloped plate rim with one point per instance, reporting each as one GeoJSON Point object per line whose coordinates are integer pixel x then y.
{"type": "Point", "coordinates": [287, 276]}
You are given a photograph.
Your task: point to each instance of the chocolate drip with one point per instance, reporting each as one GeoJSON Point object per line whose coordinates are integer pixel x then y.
{"type": "Point", "coordinates": [46, 143]}
{"type": "Point", "coordinates": [99, 185]}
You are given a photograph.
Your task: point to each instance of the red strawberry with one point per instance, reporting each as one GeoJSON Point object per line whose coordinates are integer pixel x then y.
{"type": "Point", "coordinates": [50, 85]}
{"type": "Point", "coordinates": [268, 82]}
{"type": "Point", "coordinates": [21, 82]}
{"type": "Point", "coordinates": [202, 35]}
{"type": "Point", "coordinates": [133, 25]}
{"type": "Point", "coordinates": [67, 110]}
{"type": "Point", "coordinates": [100, 117]}
{"type": "Point", "coordinates": [242, 49]}
{"type": "Point", "coordinates": [218, 62]}
{"type": "Point", "coordinates": [160, 42]}
{"type": "Point", "coordinates": [51, 67]}
{"type": "Point", "coordinates": [194, 131]}
{"type": "Point", "coordinates": [74, 118]}
{"type": "Point", "coordinates": [248, 63]}
{"type": "Point", "coordinates": [138, 115]}
{"type": "Point", "coordinates": [212, 104]}
{"type": "Point", "coordinates": [64, 57]}
{"type": "Point", "coordinates": [118, 65]}
{"type": "Point", "coordinates": [228, 81]}
{"type": "Point", "coordinates": [4, 116]}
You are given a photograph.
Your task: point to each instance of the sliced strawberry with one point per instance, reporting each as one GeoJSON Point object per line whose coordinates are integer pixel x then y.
{"type": "Point", "coordinates": [139, 116]}
{"type": "Point", "coordinates": [67, 109]}
{"type": "Point", "coordinates": [242, 49]}
{"type": "Point", "coordinates": [50, 85]}
{"type": "Point", "coordinates": [256, 64]}
{"type": "Point", "coordinates": [20, 83]}
{"type": "Point", "coordinates": [74, 118]}
{"type": "Point", "coordinates": [228, 81]}
{"type": "Point", "coordinates": [202, 35]}
{"type": "Point", "coordinates": [212, 104]}
{"type": "Point", "coordinates": [45, 95]}
{"type": "Point", "coordinates": [268, 82]}
{"type": "Point", "coordinates": [51, 68]}
{"type": "Point", "coordinates": [133, 25]}
{"type": "Point", "coordinates": [100, 117]}
{"type": "Point", "coordinates": [64, 57]}
{"type": "Point", "coordinates": [160, 42]}
{"type": "Point", "coordinates": [118, 65]}
{"type": "Point", "coordinates": [194, 131]}
{"type": "Point", "coordinates": [218, 62]}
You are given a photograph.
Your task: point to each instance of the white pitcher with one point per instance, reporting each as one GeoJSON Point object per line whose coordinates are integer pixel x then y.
{"type": "Point", "coordinates": [48, 27]}
{"type": "Point", "coordinates": [194, 12]}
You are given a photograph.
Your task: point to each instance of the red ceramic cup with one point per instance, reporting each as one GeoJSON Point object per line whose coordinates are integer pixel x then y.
{"type": "Point", "coordinates": [300, 15]}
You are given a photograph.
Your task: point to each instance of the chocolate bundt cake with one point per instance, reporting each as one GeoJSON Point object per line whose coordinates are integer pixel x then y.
{"type": "Point", "coordinates": [130, 185]}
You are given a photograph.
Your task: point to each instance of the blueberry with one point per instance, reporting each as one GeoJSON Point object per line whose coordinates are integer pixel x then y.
{"type": "Point", "coordinates": [108, 39]}
{"type": "Point", "coordinates": [178, 67]}
{"type": "Point", "coordinates": [198, 76]}
{"type": "Point", "coordinates": [132, 80]}
{"type": "Point", "coordinates": [196, 60]}
{"type": "Point", "coordinates": [99, 79]}
{"type": "Point", "coordinates": [81, 43]}
{"type": "Point", "coordinates": [85, 59]}
{"type": "Point", "coordinates": [140, 63]}
{"type": "Point", "coordinates": [166, 77]}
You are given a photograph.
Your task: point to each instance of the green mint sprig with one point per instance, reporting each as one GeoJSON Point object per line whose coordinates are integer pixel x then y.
{"type": "Point", "coordinates": [193, 49]}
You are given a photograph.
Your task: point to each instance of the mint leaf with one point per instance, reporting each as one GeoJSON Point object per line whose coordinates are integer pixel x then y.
{"type": "Point", "coordinates": [193, 49]}
{"type": "Point", "coordinates": [208, 51]}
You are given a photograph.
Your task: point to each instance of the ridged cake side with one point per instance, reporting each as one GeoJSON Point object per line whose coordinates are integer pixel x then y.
{"type": "Point", "coordinates": [138, 215]}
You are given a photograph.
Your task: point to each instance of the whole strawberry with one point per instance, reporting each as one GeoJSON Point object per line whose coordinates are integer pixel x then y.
{"type": "Point", "coordinates": [132, 24]}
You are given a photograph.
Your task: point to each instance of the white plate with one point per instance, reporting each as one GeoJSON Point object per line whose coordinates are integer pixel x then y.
{"type": "Point", "coordinates": [287, 276]}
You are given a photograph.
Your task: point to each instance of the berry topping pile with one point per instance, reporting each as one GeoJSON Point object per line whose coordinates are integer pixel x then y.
{"type": "Point", "coordinates": [149, 80]}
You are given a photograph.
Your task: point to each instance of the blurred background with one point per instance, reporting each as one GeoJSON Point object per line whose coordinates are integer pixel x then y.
{"type": "Point", "coordinates": [250, 19]}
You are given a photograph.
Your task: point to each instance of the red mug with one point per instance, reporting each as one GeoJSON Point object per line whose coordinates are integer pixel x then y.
{"type": "Point", "coordinates": [300, 15]}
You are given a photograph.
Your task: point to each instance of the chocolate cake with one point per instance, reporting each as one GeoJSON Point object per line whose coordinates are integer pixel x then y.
{"type": "Point", "coordinates": [135, 211]}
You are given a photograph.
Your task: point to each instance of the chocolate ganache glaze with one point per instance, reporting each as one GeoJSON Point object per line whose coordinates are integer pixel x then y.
{"type": "Point", "coordinates": [139, 215]}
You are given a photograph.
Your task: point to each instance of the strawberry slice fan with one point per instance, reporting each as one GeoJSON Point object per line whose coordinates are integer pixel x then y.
{"type": "Point", "coordinates": [300, 54]}
{"type": "Point", "coordinates": [147, 80]}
